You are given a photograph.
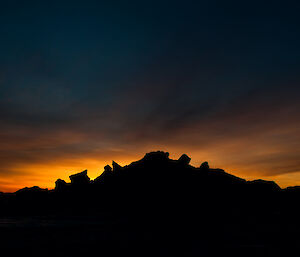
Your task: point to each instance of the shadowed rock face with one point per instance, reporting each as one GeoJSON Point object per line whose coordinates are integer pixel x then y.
{"type": "Point", "coordinates": [170, 207]}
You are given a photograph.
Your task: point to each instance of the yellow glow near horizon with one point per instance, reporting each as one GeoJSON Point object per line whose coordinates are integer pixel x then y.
{"type": "Point", "coordinates": [44, 175]}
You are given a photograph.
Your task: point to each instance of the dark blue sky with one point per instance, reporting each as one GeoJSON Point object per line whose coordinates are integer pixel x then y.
{"type": "Point", "coordinates": [97, 80]}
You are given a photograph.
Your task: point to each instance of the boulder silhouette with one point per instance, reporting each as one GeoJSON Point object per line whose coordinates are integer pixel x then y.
{"type": "Point", "coordinates": [184, 159]}
{"type": "Point", "coordinates": [60, 185]}
{"type": "Point", "coordinates": [204, 166]}
{"type": "Point", "coordinates": [80, 179]}
{"type": "Point", "coordinates": [107, 169]}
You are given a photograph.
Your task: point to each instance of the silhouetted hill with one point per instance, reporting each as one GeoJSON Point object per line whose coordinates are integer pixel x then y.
{"type": "Point", "coordinates": [170, 208]}
{"type": "Point", "coordinates": [152, 182]}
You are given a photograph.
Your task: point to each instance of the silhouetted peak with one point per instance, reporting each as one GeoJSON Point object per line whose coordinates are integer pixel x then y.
{"type": "Point", "coordinates": [184, 159]}
{"type": "Point", "coordinates": [80, 178]}
{"type": "Point", "coordinates": [106, 173]}
{"type": "Point", "coordinates": [107, 168]}
{"type": "Point", "coordinates": [156, 156]}
{"type": "Point", "coordinates": [204, 166]}
{"type": "Point", "coordinates": [116, 166]}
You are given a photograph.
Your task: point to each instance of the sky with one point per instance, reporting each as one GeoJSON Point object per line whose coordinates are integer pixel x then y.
{"type": "Point", "coordinates": [83, 83]}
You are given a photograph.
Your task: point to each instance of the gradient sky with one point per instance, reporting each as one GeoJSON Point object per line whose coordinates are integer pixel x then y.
{"type": "Point", "coordinates": [86, 82]}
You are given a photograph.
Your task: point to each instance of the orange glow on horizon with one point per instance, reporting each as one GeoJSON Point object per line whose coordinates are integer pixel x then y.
{"type": "Point", "coordinates": [44, 175]}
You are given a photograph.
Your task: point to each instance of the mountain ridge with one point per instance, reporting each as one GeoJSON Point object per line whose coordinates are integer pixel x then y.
{"type": "Point", "coordinates": [158, 207]}
{"type": "Point", "coordinates": [182, 159]}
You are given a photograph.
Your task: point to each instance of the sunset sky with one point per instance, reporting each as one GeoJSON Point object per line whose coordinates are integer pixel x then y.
{"type": "Point", "coordinates": [83, 83]}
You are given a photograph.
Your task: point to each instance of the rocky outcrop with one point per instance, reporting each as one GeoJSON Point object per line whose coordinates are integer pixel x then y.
{"type": "Point", "coordinates": [80, 179]}
{"type": "Point", "coordinates": [204, 166]}
{"type": "Point", "coordinates": [116, 167]}
{"type": "Point", "coordinates": [184, 159]}
{"type": "Point", "coordinates": [60, 185]}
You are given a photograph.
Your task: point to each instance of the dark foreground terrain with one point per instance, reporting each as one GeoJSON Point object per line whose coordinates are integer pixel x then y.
{"type": "Point", "coordinates": [152, 207]}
